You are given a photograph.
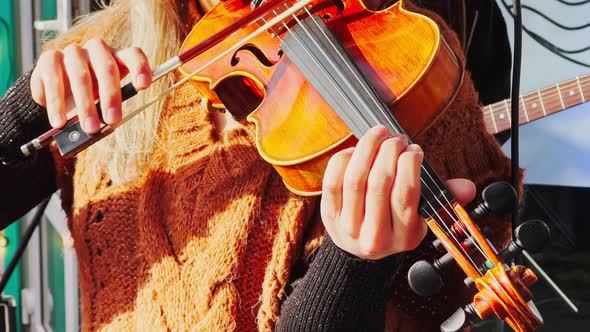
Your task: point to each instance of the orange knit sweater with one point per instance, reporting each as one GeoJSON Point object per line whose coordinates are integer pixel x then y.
{"type": "Point", "coordinates": [206, 238]}
{"type": "Point", "coordinates": [203, 241]}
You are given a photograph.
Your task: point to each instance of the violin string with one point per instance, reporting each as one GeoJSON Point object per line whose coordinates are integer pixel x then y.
{"type": "Point", "coordinates": [378, 105]}
{"type": "Point", "coordinates": [328, 74]}
{"type": "Point", "coordinates": [367, 124]}
{"type": "Point", "coordinates": [341, 93]}
{"type": "Point", "coordinates": [235, 46]}
{"type": "Point", "coordinates": [386, 116]}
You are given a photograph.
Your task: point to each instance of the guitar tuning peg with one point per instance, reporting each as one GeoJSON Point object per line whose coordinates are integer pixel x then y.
{"type": "Point", "coordinates": [531, 235]}
{"type": "Point", "coordinates": [498, 198]}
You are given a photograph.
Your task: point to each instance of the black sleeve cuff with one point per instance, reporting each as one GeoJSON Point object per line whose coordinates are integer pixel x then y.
{"type": "Point", "coordinates": [25, 182]}
{"type": "Point", "coordinates": [21, 119]}
{"type": "Point", "coordinates": [367, 272]}
{"type": "Point", "coordinates": [339, 292]}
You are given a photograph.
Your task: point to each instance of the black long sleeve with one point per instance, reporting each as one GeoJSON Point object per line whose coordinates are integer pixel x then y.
{"type": "Point", "coordinates": [339, 292]}
{"type": "Point", "coordinates": [27, 182]}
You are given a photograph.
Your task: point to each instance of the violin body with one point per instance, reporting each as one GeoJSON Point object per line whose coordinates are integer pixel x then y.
{"type": "Point", "coordinates": [411, 67]}
{"type": "Point", "coordinates": [319, 74]}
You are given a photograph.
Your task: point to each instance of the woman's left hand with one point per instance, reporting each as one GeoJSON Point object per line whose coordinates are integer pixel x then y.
{"type": "Point", "coordinates": [371, 192]}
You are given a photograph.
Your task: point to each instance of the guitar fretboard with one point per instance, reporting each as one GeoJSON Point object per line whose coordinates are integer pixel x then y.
{"type": "Point", "coordinates": [538, 104]}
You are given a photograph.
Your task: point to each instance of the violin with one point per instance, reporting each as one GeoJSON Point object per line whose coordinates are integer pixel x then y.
{"type": "Point", "coordinates": [330, 78]}
{"type": "Point", "coordinates": [314, 75]}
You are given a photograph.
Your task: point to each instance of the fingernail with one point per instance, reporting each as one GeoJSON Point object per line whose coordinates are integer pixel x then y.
{"type": "Point", "coordinates": [380, 130]}
{"type": "Point", "coordinates": [56, 120]}
{"type": "Point", "coordinates": [142, 81]}
{"type": "Point", "coordinates": [401, 137]}
{"type": "Point", "coordinates": [349, 150]}
{"type": "Point", "coordinates": [413, 147]}
{"type": "Point", "coordinates": [112, 115]}
{"type": "Point", "coordinates": [90, 125]}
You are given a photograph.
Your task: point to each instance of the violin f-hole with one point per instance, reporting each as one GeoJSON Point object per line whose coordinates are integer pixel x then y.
{"type": "Point", "coordinates": [240, 95]}
{"type": "Point", "coordinates": [257, 52]}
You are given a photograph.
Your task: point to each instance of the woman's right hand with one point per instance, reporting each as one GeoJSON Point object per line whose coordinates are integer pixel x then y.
{"type": "Point", "coordinates": [86, 74]}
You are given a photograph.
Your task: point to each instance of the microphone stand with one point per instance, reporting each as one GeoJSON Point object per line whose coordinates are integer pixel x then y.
{"type": "Point", "coordinates": [23, 244]}
{"type": "Point", "coordinates": [514, 126]}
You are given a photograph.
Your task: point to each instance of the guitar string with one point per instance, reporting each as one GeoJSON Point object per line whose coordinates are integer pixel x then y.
{"type": "Point", "coordinates": [551, 107]}
{"type": "Point", "coordinates": [532, 111]}
{"type": "Point", "coordinates": [536, 101]}
{"type": "Point", "coordinates": [540, 107]}
{"type": "Point", "coordinates": [568, 85]}
{"type": "Point", "coordinates": [549, 95]}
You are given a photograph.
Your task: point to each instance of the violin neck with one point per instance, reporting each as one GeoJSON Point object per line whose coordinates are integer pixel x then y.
{"type": "Point", "coordinates": [326, 65]}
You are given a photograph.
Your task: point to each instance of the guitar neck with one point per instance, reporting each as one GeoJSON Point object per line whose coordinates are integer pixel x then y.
{"type": "Point", "coordinates": [538, 104]}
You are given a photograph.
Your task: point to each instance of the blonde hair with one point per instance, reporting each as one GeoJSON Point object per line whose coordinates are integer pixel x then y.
{"type": "Point", "coordinates": [158, 28]}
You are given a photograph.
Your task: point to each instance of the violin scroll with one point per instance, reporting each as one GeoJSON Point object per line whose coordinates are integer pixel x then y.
{"type": "Point", "coordinates": [502, 291]}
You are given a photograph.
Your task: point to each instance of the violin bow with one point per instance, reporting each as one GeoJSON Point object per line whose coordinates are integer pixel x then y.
{"type": "Point", "coordinates": [71, 139]}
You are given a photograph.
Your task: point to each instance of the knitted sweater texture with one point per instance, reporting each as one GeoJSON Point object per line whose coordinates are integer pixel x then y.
{"type": "Point", "coordinates": [207, 237]}
{"type": "Point", "coordinates": [202, 241]}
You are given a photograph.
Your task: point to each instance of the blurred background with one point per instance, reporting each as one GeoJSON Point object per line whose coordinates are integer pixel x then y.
{"type": "Point", "coordinates": [44, 286]}
{"type": "Point", "coordinates": [554, 150]}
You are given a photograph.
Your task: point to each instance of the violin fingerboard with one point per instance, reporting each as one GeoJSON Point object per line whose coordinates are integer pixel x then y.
{"type": "Point", "coordinates": [325, 63]}
{"type": "Point", "coordinates": [327, 66]}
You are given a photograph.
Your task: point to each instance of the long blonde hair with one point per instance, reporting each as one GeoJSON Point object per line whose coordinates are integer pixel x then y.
{"type": "Point", "coordinates": [158, 28]}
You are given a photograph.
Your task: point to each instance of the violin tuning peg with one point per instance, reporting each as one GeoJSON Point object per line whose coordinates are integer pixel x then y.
{"type": "Point", "coordinates": [425, 278]}
{"type": "Point", "coordinates": [468, 282]}
{"type": "Point", "coordinates": [498, 198]}
{"type": "Point", "coordinates": [459, 320]}
{"type": "Point", "coordinates": [437, 244]}
{"type": "Point", "coordinates": [531, 235]}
